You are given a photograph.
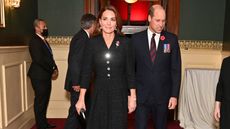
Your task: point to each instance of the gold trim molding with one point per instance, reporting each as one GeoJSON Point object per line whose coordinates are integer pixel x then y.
{"type": "Point", "coordinates": [59, 40]}
{"type": "Point", "coordinates": [201, 44]}
{"type": "Point", "coordinates": [184, 44]}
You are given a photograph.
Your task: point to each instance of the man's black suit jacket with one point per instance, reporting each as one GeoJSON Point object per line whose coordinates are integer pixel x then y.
{"type": "Point", "coordinates": [160, 80]}
{"type": "Point", "coordinates": [223, 93]}
{"type": "Point", "coordinates": [76, 50]}
{"type": "Point", "coordinates": [223, 86]}
{"type": "Point", "coordinates": [43, 64]}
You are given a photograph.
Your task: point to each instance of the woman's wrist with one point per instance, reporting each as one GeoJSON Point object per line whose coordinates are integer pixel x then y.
{"type": "Point", "coordinates": [133, 93]}
{"type": "Point", "coordinates": [133, 98]}
{"type": "Point", "coordinates": [82, 94]}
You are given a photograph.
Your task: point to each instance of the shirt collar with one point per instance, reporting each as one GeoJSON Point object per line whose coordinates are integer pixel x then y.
{"type": "Point", "coordinates": [150, 33]}
{"type": "Point", "coordinates": [40, 36]}
{"type": "Point", "coordinates": [87, 33]}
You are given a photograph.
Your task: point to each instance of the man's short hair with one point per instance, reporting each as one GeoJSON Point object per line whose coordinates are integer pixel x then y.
{"type": "Point", "coordinates": [153, 8]}
{"type": "Point", "coordinates": [151, 11]}
{"type": "Point", "coordinates": [36, 22]}
{"type": "Point", "coordinates": [87, 20]}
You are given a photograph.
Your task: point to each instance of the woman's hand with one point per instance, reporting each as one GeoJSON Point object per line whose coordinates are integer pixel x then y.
{"type": "Point", "coordinates": [217, 111]}
{"type": "Point", "coordinates": [81, 101]}
{"type": "Point", "coordinates": [131, 104]}
{"type": "Point", "coordinates": [80, 105]}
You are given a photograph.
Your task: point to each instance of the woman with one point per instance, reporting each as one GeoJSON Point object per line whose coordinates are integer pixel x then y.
{"type": "Point", "coordinates": [109, 57]}
{"type": "Point", "coordinates": [222, 104]}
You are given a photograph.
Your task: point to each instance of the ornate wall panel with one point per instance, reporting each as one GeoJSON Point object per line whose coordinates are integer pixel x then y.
{"type": "Point", "coordinates": [16, 95]}
{"type": "Point", "coordinates": [29, 94]}
{"type": "Point", "coordinates": [12, 91]}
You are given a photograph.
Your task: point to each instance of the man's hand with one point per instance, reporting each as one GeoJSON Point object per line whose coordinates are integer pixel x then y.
{"type": "Point", "coordinates": [131, 104]}
{"type": "Point", "coordinates": [55, 74]}
{"type": "Point", "coordinates": [172, 103]}
{"type": "Point", "coordinates": [76, 88]}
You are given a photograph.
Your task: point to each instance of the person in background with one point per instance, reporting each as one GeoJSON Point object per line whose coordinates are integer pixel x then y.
{"type": "Point", "coordinates": [42, 70]}
{"type": "Point", "coordinates": [222, 104]}
{"type": "Point", "coordinates": [158, 70]}
{"type": "Point", "coordinates": [72, 82]}
{"type": "Point", "coordinates": [109, 57]}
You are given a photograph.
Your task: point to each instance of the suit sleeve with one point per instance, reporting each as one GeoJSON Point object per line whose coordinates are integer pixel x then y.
{"type": "Point", "coordinates": [219, 87]}
{"type": "Point", "coordinates": [130, 65]}
{"type": "Point", "coordinates": [75, 59]}
{"type": "Point", "coordinates": [87, 65]}
{"type": "Point", "coordinates": [38, 56]}
{"type": "Point", "coordinates": [175, 68]}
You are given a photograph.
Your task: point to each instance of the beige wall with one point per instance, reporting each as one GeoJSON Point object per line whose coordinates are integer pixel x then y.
{"type": "Point", "coordinates": [59, 101]}
{"type": "Point", "coordinates": [16, 94]}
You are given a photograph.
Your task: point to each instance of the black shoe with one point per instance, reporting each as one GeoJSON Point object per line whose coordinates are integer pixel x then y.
{"type": "Point", "coordinates": [50, 126]}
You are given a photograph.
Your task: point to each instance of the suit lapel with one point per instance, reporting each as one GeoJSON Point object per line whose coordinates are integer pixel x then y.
{"type": "Point", "coordinates": [160, 49]}
{"type": "Point", "coordinates": [48, 46]}
{"type": "Point", "coordinates": [45, 45]}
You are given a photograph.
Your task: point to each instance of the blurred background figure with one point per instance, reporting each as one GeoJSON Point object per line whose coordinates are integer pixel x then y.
{"type": "Point", "coordinates": [72, 82]}
{"type": "Point", "coordinates": [41, 71]}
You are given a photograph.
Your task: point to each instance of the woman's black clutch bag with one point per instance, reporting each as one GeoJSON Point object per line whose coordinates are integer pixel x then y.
{"type": "Point", "coordinates": [82, 118]}
{"type": "Point", "coordinates": [82, 114]}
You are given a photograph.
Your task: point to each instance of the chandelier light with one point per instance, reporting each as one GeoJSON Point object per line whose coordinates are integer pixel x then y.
{"type": "Point", "coordinates": [13, 3]}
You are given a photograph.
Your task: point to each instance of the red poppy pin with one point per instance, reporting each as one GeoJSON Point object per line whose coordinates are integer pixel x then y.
{"type": "Point", "coordinates": [162, 38]}
{"type": "Point", "coordinates": [117, 44]}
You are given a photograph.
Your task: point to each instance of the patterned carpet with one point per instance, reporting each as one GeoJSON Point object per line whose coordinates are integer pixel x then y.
{"type": "Point", "coordinates": [60, 124]}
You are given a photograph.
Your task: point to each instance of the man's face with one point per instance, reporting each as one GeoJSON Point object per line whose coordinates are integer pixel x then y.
{"type": "Point", "coordinates": [157, 22]}
{"type": "Point", "coordinates": [40, 27]}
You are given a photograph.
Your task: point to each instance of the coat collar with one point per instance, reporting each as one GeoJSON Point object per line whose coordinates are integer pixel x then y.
{"type": "Point", "coordinates": [116, 38]}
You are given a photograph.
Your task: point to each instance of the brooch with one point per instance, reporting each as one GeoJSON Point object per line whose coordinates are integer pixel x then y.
{"type": "Point", "coordinates": [117, 44]}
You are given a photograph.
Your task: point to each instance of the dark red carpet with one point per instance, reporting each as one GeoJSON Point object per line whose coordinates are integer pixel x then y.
{"type": "Point", "coordinates": [60, 124]}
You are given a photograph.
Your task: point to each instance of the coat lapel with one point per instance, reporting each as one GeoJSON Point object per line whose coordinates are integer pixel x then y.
{"type": "Point", "coordinates": [160, 49]}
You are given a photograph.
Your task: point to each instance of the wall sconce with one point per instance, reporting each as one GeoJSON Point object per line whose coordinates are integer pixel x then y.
{"type": "Point", "coordinates": [13, 3]}
{"type": "Point", "coordinates": [129, 8]}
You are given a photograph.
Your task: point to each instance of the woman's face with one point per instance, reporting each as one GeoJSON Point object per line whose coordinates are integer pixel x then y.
{"type": "Point", "coordinates": [108, 22]}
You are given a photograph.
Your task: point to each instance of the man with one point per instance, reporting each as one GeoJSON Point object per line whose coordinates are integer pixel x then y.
{"type": "Point", "coordinates": [158, 71]}
{"type": "Point", "coordinates": [42, 70]}
{"type": "Point", "coordinates": [222, 104]}
{"type": "Point", "coordinates": [72, 82]}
